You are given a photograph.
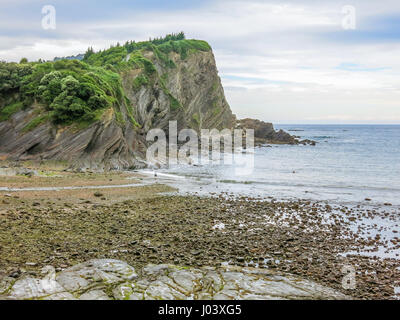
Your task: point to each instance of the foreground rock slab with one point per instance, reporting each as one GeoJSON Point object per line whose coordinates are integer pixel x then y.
{"type": "Point", "coordinates": [106, 279]}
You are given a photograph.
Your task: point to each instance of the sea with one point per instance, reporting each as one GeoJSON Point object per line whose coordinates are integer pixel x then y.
{"type": "Point", "coordinates": [350, 164]}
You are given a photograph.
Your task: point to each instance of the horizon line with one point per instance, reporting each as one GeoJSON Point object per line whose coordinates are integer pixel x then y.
{"type": "Point", "coordinates": [340, 124]}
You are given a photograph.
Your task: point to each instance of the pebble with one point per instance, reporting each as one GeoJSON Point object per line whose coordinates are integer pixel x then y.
{"type": "Point", "coordinates": [32, 264]}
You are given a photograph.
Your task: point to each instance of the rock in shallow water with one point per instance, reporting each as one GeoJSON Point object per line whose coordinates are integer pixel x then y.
{"type": "Point", "coordinates": [112, 279]}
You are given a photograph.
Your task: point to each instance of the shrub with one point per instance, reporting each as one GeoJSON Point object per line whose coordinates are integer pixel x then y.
{"type": "Point", "coordinates": [137, 60]}
{"type": "Point", "coordinates": [183, 47]}
{"type": "Point", "coordinates": [111, 56]}
{"type": "Point", "coordinates": [11, 75]}
{"type": "Point", "coordinates": [73, 90]}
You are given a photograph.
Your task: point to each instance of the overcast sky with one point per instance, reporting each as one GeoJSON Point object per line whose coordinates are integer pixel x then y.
{"type": "Point", "coordinates": [280, 61]}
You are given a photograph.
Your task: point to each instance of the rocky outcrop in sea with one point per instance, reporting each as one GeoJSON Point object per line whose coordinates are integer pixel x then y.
{"type": "Point", "coordinates": [264, 133]}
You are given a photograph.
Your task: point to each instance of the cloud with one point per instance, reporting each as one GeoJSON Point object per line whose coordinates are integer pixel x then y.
{"type": "Point", "coordinates": [283, 60]}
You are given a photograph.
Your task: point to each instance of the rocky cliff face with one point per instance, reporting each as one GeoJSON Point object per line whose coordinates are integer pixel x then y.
{"type": "Point", "coordinates": [189, 92]}
{"type": "Point", "coordinates": [140, 86]}
{"type": "Point", "coordinates": [194, 83]}
{"type": "Point", "coordinates": [104, 145]}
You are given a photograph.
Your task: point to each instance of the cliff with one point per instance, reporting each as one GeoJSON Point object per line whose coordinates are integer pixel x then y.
{"type": "Point", "coordinates": [95, 113]}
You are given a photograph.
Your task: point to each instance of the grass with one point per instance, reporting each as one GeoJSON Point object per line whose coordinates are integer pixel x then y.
{"type": "Point", "coordinates": [215, 86]}
{"type": "Point", "coordinates": [164, 78]}
{"type": "Point", "coordinates": [36, 122]}
{"type": "Point", "coordinates": [83, 124]}
{"type": "Point", "coordinates": [137, 60]}
{"type": "Point", "coordinates": [129, 109]}
{"type": "Point", "coordinates": [196, 118]}
{"type": "Point", "coordinates": [163, 57]}
{"type": "Point", "coordinates": [216, 107]}
{"type": "Point", "coordinates": [7, 112]}
{"type": "Point", "coordinates": [141, 80]}
{"type": "Point", "coordinates": [216, 111]}
{"type": "Point", "coordinates": [119, 117]}
{"type": "Point", "coordinates": [174, 104]}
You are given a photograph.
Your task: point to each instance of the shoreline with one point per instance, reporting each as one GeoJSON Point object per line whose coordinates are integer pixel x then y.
{"type": "Point", "coordinates": [145, 177]}
{"type": "Point", "coordinates": [142, 224]}
{"type": "Point", "coordinates": [175, 181]}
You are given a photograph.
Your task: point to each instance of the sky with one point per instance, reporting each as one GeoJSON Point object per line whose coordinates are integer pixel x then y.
{"type": "Point", "coordinates": [299, 61]}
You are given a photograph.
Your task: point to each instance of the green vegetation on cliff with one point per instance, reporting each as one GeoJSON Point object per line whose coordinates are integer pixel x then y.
{"type": "Point", "coordinates": [8, 111]}
{"type": "Point", "coordinates": [79, 91]}
{"type": "Point", "coordinates": [36, 122]}
{"type": "Point", "coordinates": [131, 53]}
{"type": "Point", "coordinates": [70, 90]}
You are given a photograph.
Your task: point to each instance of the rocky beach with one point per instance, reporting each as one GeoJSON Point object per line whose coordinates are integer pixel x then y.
{"type": "Point", "coordinates": [141, 221]}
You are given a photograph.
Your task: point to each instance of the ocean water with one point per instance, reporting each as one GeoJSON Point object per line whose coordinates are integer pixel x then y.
{"type": "Point", "coordinates": [349, 164]}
